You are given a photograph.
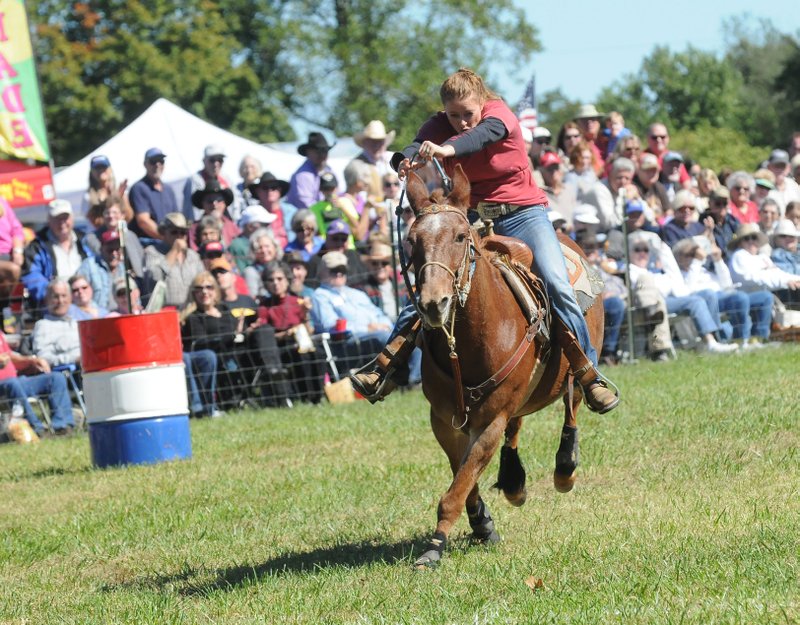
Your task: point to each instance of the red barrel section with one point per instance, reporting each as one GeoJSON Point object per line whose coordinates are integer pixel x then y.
{"type": "Point", "coordinates": [131, 341]}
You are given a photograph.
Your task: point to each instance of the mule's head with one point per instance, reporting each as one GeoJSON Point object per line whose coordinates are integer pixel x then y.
{"type": "Point", "coordinates": [440, 244]}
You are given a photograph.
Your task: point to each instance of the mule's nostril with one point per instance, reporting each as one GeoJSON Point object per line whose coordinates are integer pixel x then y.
{"type": "Point", "coordinates": [443, 304]}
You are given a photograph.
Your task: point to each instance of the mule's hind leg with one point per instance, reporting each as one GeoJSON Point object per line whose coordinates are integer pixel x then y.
{"type": "Point", "coordinates": [511, 474]}
{"type": "Point", "coordinates": [567, 454]}
{"type": "Point", "coordinates": [479, 450]}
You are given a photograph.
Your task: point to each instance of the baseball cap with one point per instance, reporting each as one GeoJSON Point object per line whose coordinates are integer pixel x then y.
{"type": "Point", "coordinates": [541, 131]}
{"type": "Point", "coordinates": [256, 214]}
{"type": "Point", "coordinates": [334, 259]}
{"type": "Point", "coordinates": [548, 159]}
{"type": "Point", "coordinates": [211, 248]}
{"type": "Point", "coordinates": [633, 206]}
{"type": "Point", "coordinates": [213, 150]}
{"type": "Point", "coordinates": [295, 258]}
{"type": "Point", "coordinates": [586, 214]}
{"type": "Point", "coordinates": [328, 181]}
{"type": "Point", "coordinates": [119, 285]}
{"type": "Point", "coordinates": [555, 216]}
{"type": "Point", "coordinates": [59, 207]}
{"type": "Point", "coordinates": [219, 263]}
{"type": "Point", "coordinates": [154, 153]}
{"type": "Point", "coordinates": [100, 162]}
{"type": "Point", "coordinates": [176, 220]}
{"type": "Point", "coordinates": [721, 193]}
{"type": "Point", "coordinates": [337, 226]}
{"type": "Point", "coordinates": [109, 236]}
{"type": "Point", "coordinates": [673, 156]}
{"type": "Point", "coordinates": [779, 157]}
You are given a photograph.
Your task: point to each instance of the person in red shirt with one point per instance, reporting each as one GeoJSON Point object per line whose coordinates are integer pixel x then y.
{"type": "Point", "coordinates": [17, 388]}
{"type": "Point", "coordinates": [658, 144]}
{"type": "Point", "coordinates": [477, 130]}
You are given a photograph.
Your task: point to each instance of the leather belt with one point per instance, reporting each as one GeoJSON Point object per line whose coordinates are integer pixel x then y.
{"type": "Point", "coordinates": [490, 210]}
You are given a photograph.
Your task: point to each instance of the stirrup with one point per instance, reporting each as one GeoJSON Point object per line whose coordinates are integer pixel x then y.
{"type": "Point", "coordinates": [384, 386]}
{"type": "Point", "coordinates": [603, 381]}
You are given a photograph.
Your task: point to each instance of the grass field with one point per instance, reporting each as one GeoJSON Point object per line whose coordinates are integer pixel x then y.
{"type": "Point", "coordinates": [687, 510]}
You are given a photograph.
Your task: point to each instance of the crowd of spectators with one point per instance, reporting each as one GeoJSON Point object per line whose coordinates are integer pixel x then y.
{"type": "Point", "coordinates": [267, 276]}
{"type": "Point", "coordinates": [718, 248]}
{"type": "Point", "coordinates": [273, 279]}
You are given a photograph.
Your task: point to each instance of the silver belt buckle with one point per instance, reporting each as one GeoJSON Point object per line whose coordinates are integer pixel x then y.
{"type": "Point", "coordinates": [491, 211]}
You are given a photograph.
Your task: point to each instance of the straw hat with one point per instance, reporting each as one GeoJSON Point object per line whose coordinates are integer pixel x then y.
{"type": "Point", "coordinates": [374, 130]}
{"type": "Point", "coordinates": [746, 230]}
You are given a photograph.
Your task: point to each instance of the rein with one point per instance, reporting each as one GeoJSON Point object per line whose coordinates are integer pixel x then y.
{"type": "Point", "coordinates": [466, 397]}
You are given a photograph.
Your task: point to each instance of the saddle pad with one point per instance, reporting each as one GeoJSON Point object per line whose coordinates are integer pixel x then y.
{"type": "Point", "coordinates": [585, 279]}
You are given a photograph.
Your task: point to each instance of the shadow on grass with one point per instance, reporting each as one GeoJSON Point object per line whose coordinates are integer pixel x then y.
{"type": "Point", "coordinates": [195, 581]}
{"type": "Point", "coordinates": [45, 472]}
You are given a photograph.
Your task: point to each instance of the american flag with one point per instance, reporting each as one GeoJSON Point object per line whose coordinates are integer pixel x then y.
{"type": "Point", "coordinates": [526, 109]}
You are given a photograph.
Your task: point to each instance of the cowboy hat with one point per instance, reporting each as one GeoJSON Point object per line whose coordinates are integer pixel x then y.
{"type": "Point", "coordinates": [317, 141]}
{"type": "Point", "coordinates": [212, 188]}
{"type": "Point", "coordinates": [269, 181]}
{"type": "Point", "coordinates": [785, 228]}
{"type": "Point", "coordinates": [588, 111]}
{"type": "Point", "coordinates": [746, 230]}
{"type": "Point", "coordinates": [379, 250]}
{"type": "Point", "coordinates": [374, 130]}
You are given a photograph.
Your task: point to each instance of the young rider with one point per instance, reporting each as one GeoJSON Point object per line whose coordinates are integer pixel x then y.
{"type": "Point", "coordinates": [478, 130]}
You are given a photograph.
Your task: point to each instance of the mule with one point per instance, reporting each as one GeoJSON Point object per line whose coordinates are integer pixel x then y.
{"type": "Point", "coordinates": [485, 365]}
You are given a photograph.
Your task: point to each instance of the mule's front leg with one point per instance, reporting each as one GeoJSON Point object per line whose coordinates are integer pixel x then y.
{"type": "Point", "coordinates": [451, 504]}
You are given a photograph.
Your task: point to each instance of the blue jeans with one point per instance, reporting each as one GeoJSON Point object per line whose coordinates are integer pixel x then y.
{"type": "Point", "coordinates": [702, 307]}
{"type": "Point", "coordinates": [615, 314]}
{"type": "Point", "coordinates": [533, 227]}
{"type": "Point", "coordinates": [201, 380]}
{"type": "Point", "coordinates": [750, 313]}
{"type": "Point", "coordinates": [54, 385]}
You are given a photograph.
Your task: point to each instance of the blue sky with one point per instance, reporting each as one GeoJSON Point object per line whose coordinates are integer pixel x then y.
{"type": "Point", "coordinates": [588, 45]}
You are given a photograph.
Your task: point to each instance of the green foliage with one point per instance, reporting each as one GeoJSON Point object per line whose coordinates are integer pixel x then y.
{"type": "Point", "coordinates": [251, 66]}
{"type": "Point", "coordinates": [760, 53]}
{"type": "Point", "coordinates": [555, 109]}
{"type": "Point", "coordinates": [718, 147]}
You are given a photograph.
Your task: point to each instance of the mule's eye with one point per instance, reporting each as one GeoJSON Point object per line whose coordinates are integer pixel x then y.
{"type": "Point", "coordinates": [460, 237]}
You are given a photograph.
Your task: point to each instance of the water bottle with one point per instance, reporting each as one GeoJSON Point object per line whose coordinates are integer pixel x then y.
{"type": "Point", "coordinates": [9, 321]}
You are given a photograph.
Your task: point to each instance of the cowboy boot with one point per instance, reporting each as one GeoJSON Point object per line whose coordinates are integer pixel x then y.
{"type": "Point", "coordinates": [598, 397]}
{"type": "Point", "coordinates": [374, 380]}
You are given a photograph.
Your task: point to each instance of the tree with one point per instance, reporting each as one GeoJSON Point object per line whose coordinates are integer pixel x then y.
{"type": "Point", "coordinates": [684, 89]}
{"type": "Point", "coordinates": [760, 54]}
{"type": "Point", "coordinates": [251, 66]}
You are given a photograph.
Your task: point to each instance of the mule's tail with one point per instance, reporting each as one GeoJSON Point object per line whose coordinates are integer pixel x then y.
{"type": "Point", "coordinates": [511, 476]}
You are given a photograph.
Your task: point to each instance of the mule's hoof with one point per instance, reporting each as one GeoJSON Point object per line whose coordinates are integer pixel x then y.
{"type": "Point", "coordinates": [428, 560]}
{"type": "Point", "coordinates": [517, 499]}
{"type": "Point", "coordinates": [564, 483]}
{"type": "Point", "coordinates": [491, 538]}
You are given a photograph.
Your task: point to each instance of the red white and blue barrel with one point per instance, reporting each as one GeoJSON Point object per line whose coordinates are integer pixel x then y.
{"type": "Point", "coordinates": [134, 386]}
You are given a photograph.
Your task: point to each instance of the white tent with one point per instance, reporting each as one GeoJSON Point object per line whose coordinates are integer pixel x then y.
{"type": "Point", "coordinates": [182, 137]}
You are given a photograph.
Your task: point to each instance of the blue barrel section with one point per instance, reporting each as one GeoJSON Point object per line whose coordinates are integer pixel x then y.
{"type": "Point", "coordinates": [134, 384]}
{"type": "Point", "coordinates": [140, 441]}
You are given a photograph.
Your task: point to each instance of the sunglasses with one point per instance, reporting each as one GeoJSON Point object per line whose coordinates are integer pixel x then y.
{"type": "Point", "coordinates": [341, 271]}
{"type": "Point", "coordinates": [750, 237]}
{"type": "Point", "coordinates": [686, 208]}
{"type": "Point", "coordinates": [210, 199]}
{"type": "Point", "coordinates": [641, 250]}
{"type": "Point", "coordinates": [155, 161]}
{"type": "Point", "coordinates": [657, 137]}
{"type": "Point", "coordinates": [217, 159]}
{"type": "Point", "coordinates": [177, 232]}
{"type": "Point", "coordinates": [204, 287]}
{"type": "Point", "coordinates": [720, 202]}
{"type": "Point", "coordinates": [391, 184]}
{"type": "Point", "coordinates": [542, 141]}
{"type": "Point", "coordinates": [380, 263]}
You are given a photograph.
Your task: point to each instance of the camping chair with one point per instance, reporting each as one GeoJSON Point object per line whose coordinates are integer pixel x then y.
{"type": "Point", "coordinates": [70, 370]}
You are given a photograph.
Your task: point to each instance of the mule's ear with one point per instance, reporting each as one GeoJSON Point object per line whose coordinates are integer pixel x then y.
{"type": "Point", "coordinates": [459, 196]}
{"type": "Point", "coordinates": [417, 192]}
